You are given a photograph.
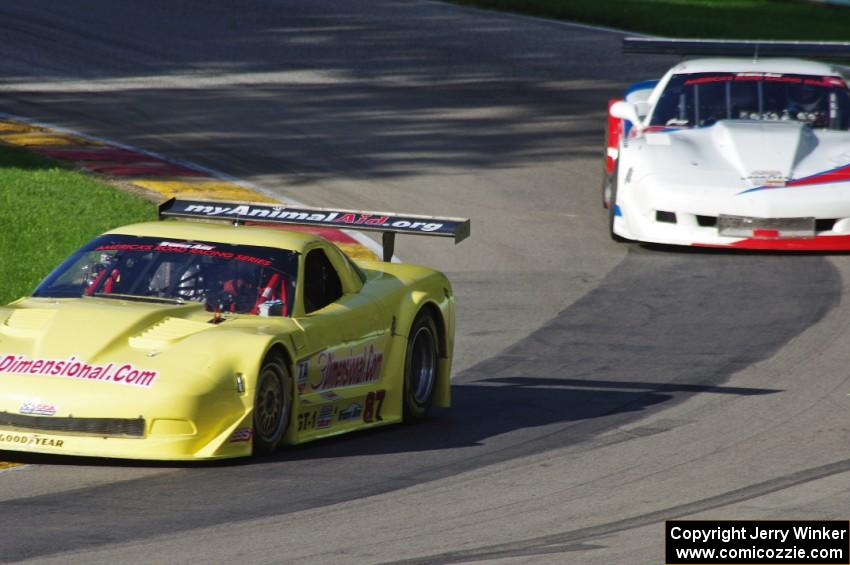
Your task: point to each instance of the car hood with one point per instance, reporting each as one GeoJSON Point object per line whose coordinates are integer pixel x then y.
{"type": "Point", "coordinates": [95, 329]}
{"type": "Point", "coordinates": [735, 156]}
{"type": "Point", "coordinates": [107, 331]}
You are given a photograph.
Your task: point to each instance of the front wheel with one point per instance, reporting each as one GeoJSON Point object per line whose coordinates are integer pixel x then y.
{"type": "Point", "coordinates": [612, 209]}
{"type": "Point", "coordinates": [608, 182]}
{"type": "Point", "coordinates": [420, 368]}
{"type": "Point", "coordinates": [607, 189]}
{"type": "Point", "coordinates": [272, 406]}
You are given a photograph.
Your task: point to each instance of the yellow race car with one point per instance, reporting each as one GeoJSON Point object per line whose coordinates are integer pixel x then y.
{"type": "Point", "coordinates": [183, 340]}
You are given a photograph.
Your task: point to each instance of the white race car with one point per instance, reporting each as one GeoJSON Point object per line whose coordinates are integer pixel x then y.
{"type": "Point", "coordinates": [743, 152]}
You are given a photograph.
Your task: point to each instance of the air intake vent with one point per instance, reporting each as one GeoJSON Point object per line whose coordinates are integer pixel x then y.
{"type": "Point", "coordinates": [825, 225]}
{"type": "Point", "coordinates": [707, 221]}
{"type": "Point", "coordinates": [666, 217]}
{"type": "Point", "coordinates": [93, 426]}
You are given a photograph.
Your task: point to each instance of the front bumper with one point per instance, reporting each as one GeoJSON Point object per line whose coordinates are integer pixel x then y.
{"type": "Point", "coordinates": [235, 441]}
{"type": "Point", "coordinates": [94, 419]}
{"type": "Point", "coordinates": [688, 217]}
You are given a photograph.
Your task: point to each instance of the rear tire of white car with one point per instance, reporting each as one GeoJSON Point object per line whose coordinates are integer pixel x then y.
{"type": "Point", "coordinates": [272, 406]}
{"type": "Point", "coordinates": [421, 367]}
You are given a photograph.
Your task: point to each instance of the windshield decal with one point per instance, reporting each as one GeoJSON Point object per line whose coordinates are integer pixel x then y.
{"type": "Point", "coordinates": [193, 249]}
{"type": "Point", "coordinates": [826, 81]}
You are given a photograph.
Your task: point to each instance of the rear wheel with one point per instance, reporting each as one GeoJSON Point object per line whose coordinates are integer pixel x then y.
{"type": "Point", "coordinates": [420, 368]}
{"type": "Point", "coordinates": [272, 406]}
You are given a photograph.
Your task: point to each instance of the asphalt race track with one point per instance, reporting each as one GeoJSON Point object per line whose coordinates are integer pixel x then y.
{"type": "Point", "coordinates": [599, 388]}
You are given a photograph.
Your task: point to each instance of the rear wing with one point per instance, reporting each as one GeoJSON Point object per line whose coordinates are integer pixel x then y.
{"type": "Point", "coordinates": [735, 47]}
{"type": "Point", "coordinates": [388, 223]}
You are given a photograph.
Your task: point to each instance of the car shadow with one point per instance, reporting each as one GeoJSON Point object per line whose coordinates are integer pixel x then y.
{"type": "Point", "coordinates": [485, 410]}
{"type": "Point", "coordinates": [480, 411]}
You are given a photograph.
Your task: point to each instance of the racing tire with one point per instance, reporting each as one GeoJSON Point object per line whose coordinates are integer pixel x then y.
{"type": "Point", "coordinates": [421, 367]}
{"type": "Point", "coordinates": [608, 180]}
{"type": "Point", "coordinates": [272, 406]}
{"type": "Point", "coordinates": [607, 189]}
{"type": "Point", "coordinates": [612, 207]}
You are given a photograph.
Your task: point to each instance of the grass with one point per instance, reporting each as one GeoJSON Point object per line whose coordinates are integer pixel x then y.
{"type": "Point", "coordinates": [732, 19]}
{"type": "Point", "coordinates": [47, 211]}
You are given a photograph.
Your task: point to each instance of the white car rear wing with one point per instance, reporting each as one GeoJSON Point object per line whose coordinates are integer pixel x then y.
{"type": "Point", "coordinates": [735, 47]}
{"type": "Point", "coordinates": [388, 223]}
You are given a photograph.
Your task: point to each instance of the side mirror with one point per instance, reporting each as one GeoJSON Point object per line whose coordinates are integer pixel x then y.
{"type": "Point", "coordinates": [628, 112]}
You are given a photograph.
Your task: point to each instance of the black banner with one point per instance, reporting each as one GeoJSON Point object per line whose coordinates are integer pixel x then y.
{"type": "Point", "coordinates": [759, 542]}
{"type": "Point", "coordinates": [457, 228]}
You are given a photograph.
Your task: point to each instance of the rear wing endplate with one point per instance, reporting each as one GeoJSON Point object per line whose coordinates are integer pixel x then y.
{"type": "Point", "coordinates": [388, 223]}
{"type": "Point", "coordinates": [735, 47]}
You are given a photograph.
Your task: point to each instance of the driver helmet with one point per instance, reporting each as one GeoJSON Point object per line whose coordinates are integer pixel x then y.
{"type": "Point", "coordinates": [804, 97]}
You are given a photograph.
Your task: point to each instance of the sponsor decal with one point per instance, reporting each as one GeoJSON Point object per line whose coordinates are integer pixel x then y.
{"type": "Point", "coordinates": [373, 404]}
{"type": "Point", "coordinates": [37, 408]}
{"type": "Point", "coordinates": [767, 178]}
{"type": "Point", "coordinates": [184, 247]}
{"type": "Point", "coordinates": [342, 218]}
{"type": "Point", "coordinates": [336, 372]}
{"type": "Point", "coordinates": [307, 420]}
{"type": "Point", "coordinates": [303, 375]}
{"type": "Point", "coordinates": [326, 416]}
{"type": "Point", "coordinates": [242, 435]}
{"type": "Point", "coordinates": [823, 81]}
{"type": "Point", "coordinates": [351, 412]}
{"type": "Point", "coordinates": [28, 439]}
{"type": "Point", "coordinates": [125, 247]}
{"type": "Point", "coordinates": [73, 368]}
{"type": "Point", "coordinates": [837, 175]}
{"type": "Point", "coordinates": [317, 419]}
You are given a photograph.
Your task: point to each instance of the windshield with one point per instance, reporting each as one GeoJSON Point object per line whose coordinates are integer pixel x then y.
{"type": "Point", "coordinates": [700, 99]}
{"type": "Point", "coordinates": [241, 279]}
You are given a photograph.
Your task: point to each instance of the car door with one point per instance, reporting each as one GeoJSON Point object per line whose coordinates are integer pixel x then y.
{"type": "Point", "coordinates": [345, 337]}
